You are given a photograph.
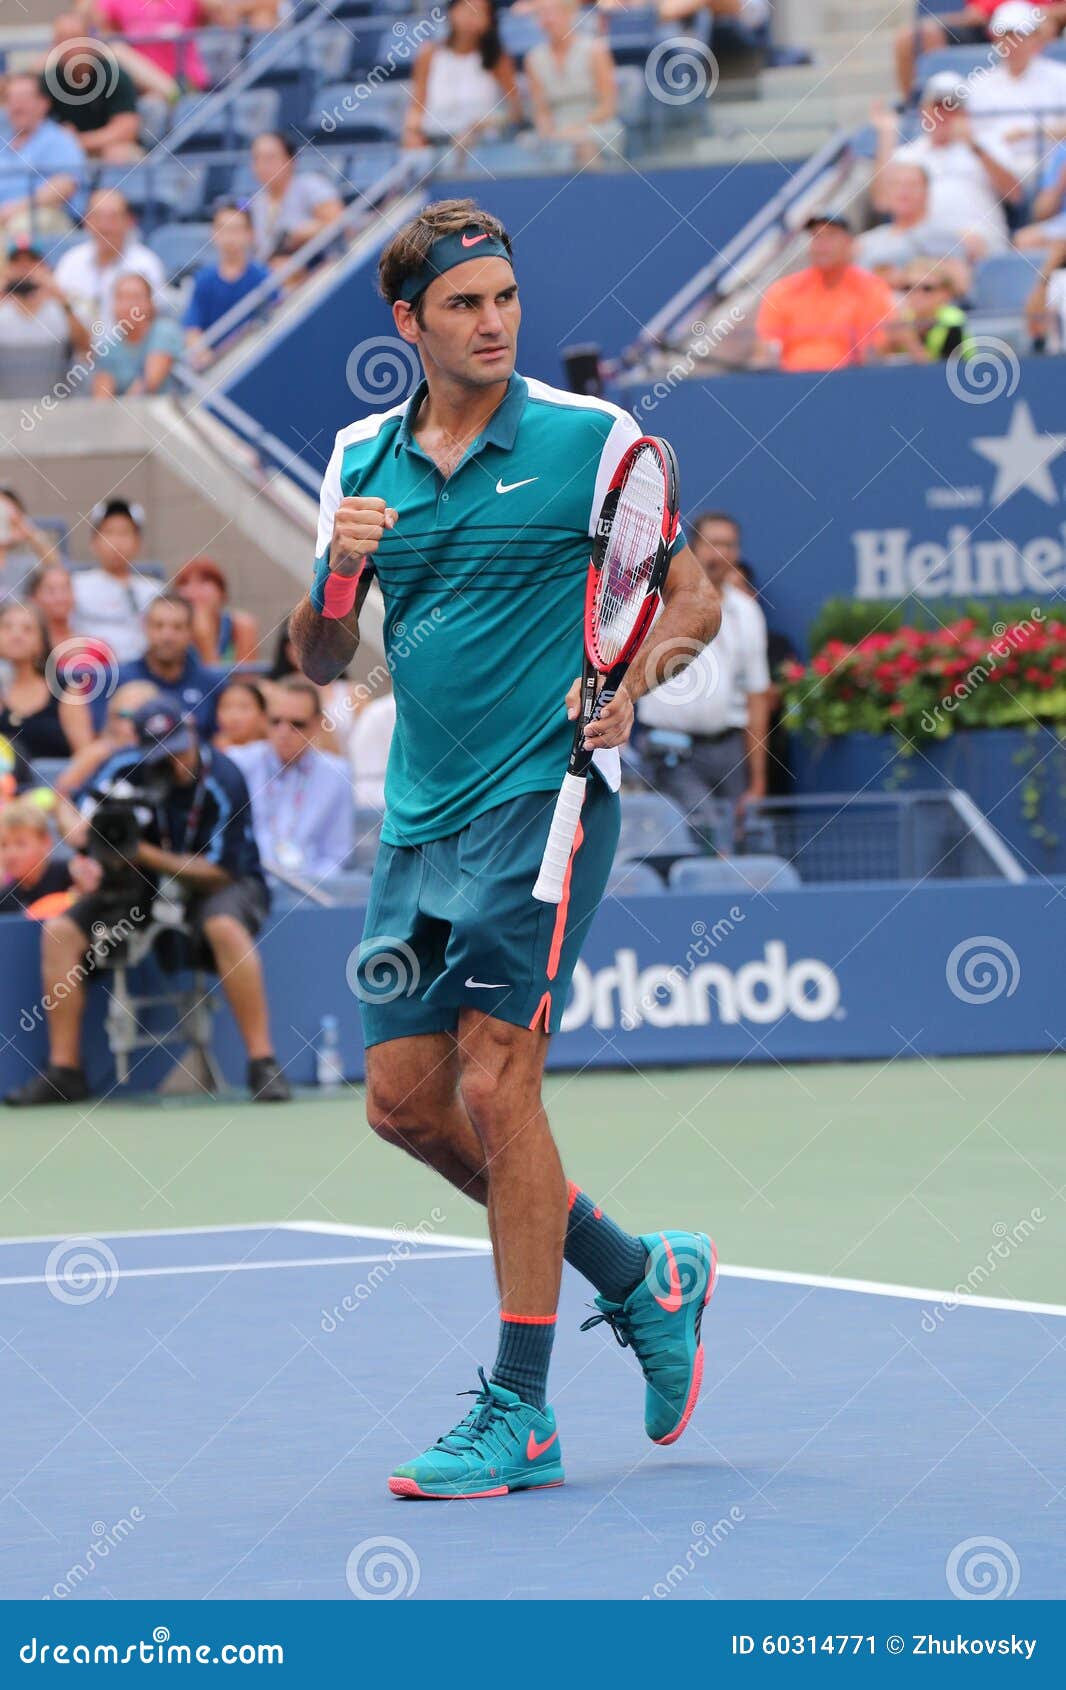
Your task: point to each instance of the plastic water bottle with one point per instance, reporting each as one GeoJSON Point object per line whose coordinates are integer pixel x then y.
{"type": "Point", "coordinates": [329, 1065]}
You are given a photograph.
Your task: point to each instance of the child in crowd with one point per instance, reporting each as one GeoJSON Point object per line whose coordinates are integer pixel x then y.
{"type": "Point", "coordinates": [242, 714]}
{"type": "Point", "coordinates": [28, 870]}
{"type": "Point", "coordinates": [932, 324]}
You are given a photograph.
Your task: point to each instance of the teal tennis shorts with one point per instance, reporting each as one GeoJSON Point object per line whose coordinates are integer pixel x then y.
{"type": "Point", "coordinates": [453, 923]}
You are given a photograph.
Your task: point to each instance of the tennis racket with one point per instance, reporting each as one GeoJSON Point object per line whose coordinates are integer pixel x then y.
{"type": "Point", "coordinates": [636, 527]}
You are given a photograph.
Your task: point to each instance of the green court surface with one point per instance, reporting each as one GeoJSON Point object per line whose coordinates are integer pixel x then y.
{"type": "Point", "coordinates": [936, 1174]}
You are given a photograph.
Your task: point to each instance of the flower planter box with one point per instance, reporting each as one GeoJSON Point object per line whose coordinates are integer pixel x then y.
{"type": "Point", "coordinates": [1016, 778]}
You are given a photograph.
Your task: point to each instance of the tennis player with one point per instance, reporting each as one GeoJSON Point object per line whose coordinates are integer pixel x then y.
{"type": "Point", "coordinates": [472, 505]}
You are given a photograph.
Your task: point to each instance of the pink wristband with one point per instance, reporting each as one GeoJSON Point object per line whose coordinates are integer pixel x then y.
{"type": "Point", "coordinates": [338, 594]}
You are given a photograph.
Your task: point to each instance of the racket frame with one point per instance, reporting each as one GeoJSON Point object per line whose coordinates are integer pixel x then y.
{"type": "Point", "coordinates": [599, 681]}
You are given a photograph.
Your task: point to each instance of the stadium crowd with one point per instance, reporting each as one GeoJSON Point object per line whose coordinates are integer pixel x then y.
{"type": "Point", "coordinates": [103, 663]}
{"type": "Point", "coordinates": [87, 306]}
{"type": "Point", "coordinates": [116, 683]}
{"type": "Point", "coordinates": [273, 785]}
{"type": "Point", "coordinates": [984, 175]}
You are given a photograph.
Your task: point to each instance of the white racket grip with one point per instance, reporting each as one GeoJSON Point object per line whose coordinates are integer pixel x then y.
{"type": "Point", "coordinates": [561, 836]}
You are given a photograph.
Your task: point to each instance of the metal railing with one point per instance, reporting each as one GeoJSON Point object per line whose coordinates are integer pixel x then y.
{"type": "Point", "coordinates": [934, 835]}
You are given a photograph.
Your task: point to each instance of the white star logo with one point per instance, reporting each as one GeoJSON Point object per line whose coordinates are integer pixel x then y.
{"type": "Point", "coordinates": [1023, 457]}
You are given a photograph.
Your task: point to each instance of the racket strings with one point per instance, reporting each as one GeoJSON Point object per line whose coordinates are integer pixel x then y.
{"type": "Point", "coordinates": [636, 533]}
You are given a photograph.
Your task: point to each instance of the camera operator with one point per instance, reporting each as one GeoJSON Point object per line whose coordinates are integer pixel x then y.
{"type": "Point", "coordinates": [171, 817]}
{"type": "Point", "coordinates": [39, 331]}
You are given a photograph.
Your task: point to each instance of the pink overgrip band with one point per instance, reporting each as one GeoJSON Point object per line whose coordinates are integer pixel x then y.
{"type": "Point", "coordinates": [338, 594]}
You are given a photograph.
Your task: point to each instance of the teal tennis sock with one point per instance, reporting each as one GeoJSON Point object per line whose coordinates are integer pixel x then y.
{"type": "Point", "coordinates": [524, 1355]}
{"type": "Point", "coordinates": [613, 1260]}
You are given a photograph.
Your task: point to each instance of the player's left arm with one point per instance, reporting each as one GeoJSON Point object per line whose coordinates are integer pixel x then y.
{"type": "Point", "coordinates": [689, 620]}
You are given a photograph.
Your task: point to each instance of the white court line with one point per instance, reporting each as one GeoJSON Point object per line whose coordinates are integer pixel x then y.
{"type": "Point", "coordinates": [875, 1288]}
{"type": "Point", "coordinates": [143, 1232]}
{"type": "Point", "coordinates": [392, 1234]}
{"type": "Point", "coordinates": [111, 1278]}
{"type": "Point", "coordinates": [453, 1242]}
{"type": "Point", "coordinates": [817, 1281]}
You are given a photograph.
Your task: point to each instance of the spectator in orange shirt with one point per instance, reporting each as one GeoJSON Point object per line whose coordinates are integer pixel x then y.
{"type": "Point", "coordinates": [828, 315]}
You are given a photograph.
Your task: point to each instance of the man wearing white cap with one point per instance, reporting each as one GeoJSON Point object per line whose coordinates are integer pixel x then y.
{"type": "Point", "coordinates": [970, 178]}
{"type": "Point", "coordinates": [969, 27]}
{"type": "Point", "coordinates": [1021, 103]}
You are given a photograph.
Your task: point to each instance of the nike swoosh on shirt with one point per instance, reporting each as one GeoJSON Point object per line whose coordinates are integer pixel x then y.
{"type": "Point", "coordinates": [533, 1448]}
{"type": "Point", "coordinates": [509, 486]}
{"type": "Point", "coordinates": [672, 1301]}
{"type": "Point", "coordinates": [487, 985]}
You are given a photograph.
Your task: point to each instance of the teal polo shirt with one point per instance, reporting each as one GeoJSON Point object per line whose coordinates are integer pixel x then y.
{"type": "Point", "coordinates": [483, 579]}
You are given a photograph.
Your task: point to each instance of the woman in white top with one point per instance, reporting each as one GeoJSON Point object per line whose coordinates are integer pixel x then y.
{"type": "Point", "coordinates": [465, 85]}
{"type": "Point", "coordinates": [287, 209]}
{"type": "Point", "coordinates": [572, 84]}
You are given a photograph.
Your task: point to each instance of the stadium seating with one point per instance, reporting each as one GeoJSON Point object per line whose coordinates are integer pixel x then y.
{"type": "Point", "coordinates": [634, 880]}
{"type": "Point", "coordinates": [181, 246]}
{"type": "Point", "coordinates": [1004, 283]}
{"type": "Point", "coordinates": [734, 874]}
{"type": "Point", "coordinates": [653, 828]}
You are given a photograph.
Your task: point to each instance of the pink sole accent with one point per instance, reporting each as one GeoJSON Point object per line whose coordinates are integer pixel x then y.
{"type": "Point", "coordinates": [410, 1488]}
{"type": "Point", "coordinates": [713, 1280]}
{"type": "Point", "coordinates": [697, 1371]}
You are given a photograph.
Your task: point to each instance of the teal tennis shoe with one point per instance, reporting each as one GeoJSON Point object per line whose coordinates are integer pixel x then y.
{"type": "Point", "coordinates": [661, 1322]}
{"type": "Point", "coordinates": [503, 1444]}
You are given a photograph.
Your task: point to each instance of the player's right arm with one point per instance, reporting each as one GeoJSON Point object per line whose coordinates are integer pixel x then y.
{"type": "Point", "coordinates": [324, 627]}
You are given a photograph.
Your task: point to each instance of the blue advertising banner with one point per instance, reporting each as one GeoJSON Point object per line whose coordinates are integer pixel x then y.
{"type": "Point", "coordinates": [880, 483]}
{"type": "Point", "coordinates": [820, 974]}
{"type": "Point", "coordinates": [345, 360]}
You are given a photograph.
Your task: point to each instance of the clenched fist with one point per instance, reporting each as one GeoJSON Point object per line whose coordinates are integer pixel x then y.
{"type": "Point", "coordinates": [357, 530]}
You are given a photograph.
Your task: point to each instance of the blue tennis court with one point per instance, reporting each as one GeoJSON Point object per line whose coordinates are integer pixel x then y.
{"type": "Point", "coordinates": [213, 1412]}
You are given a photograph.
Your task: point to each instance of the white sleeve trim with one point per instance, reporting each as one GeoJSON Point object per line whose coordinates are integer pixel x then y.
{"type": "Point", "coordinates": [329, 500]}
{"type": "Point", "coordinates": [623, 433]}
